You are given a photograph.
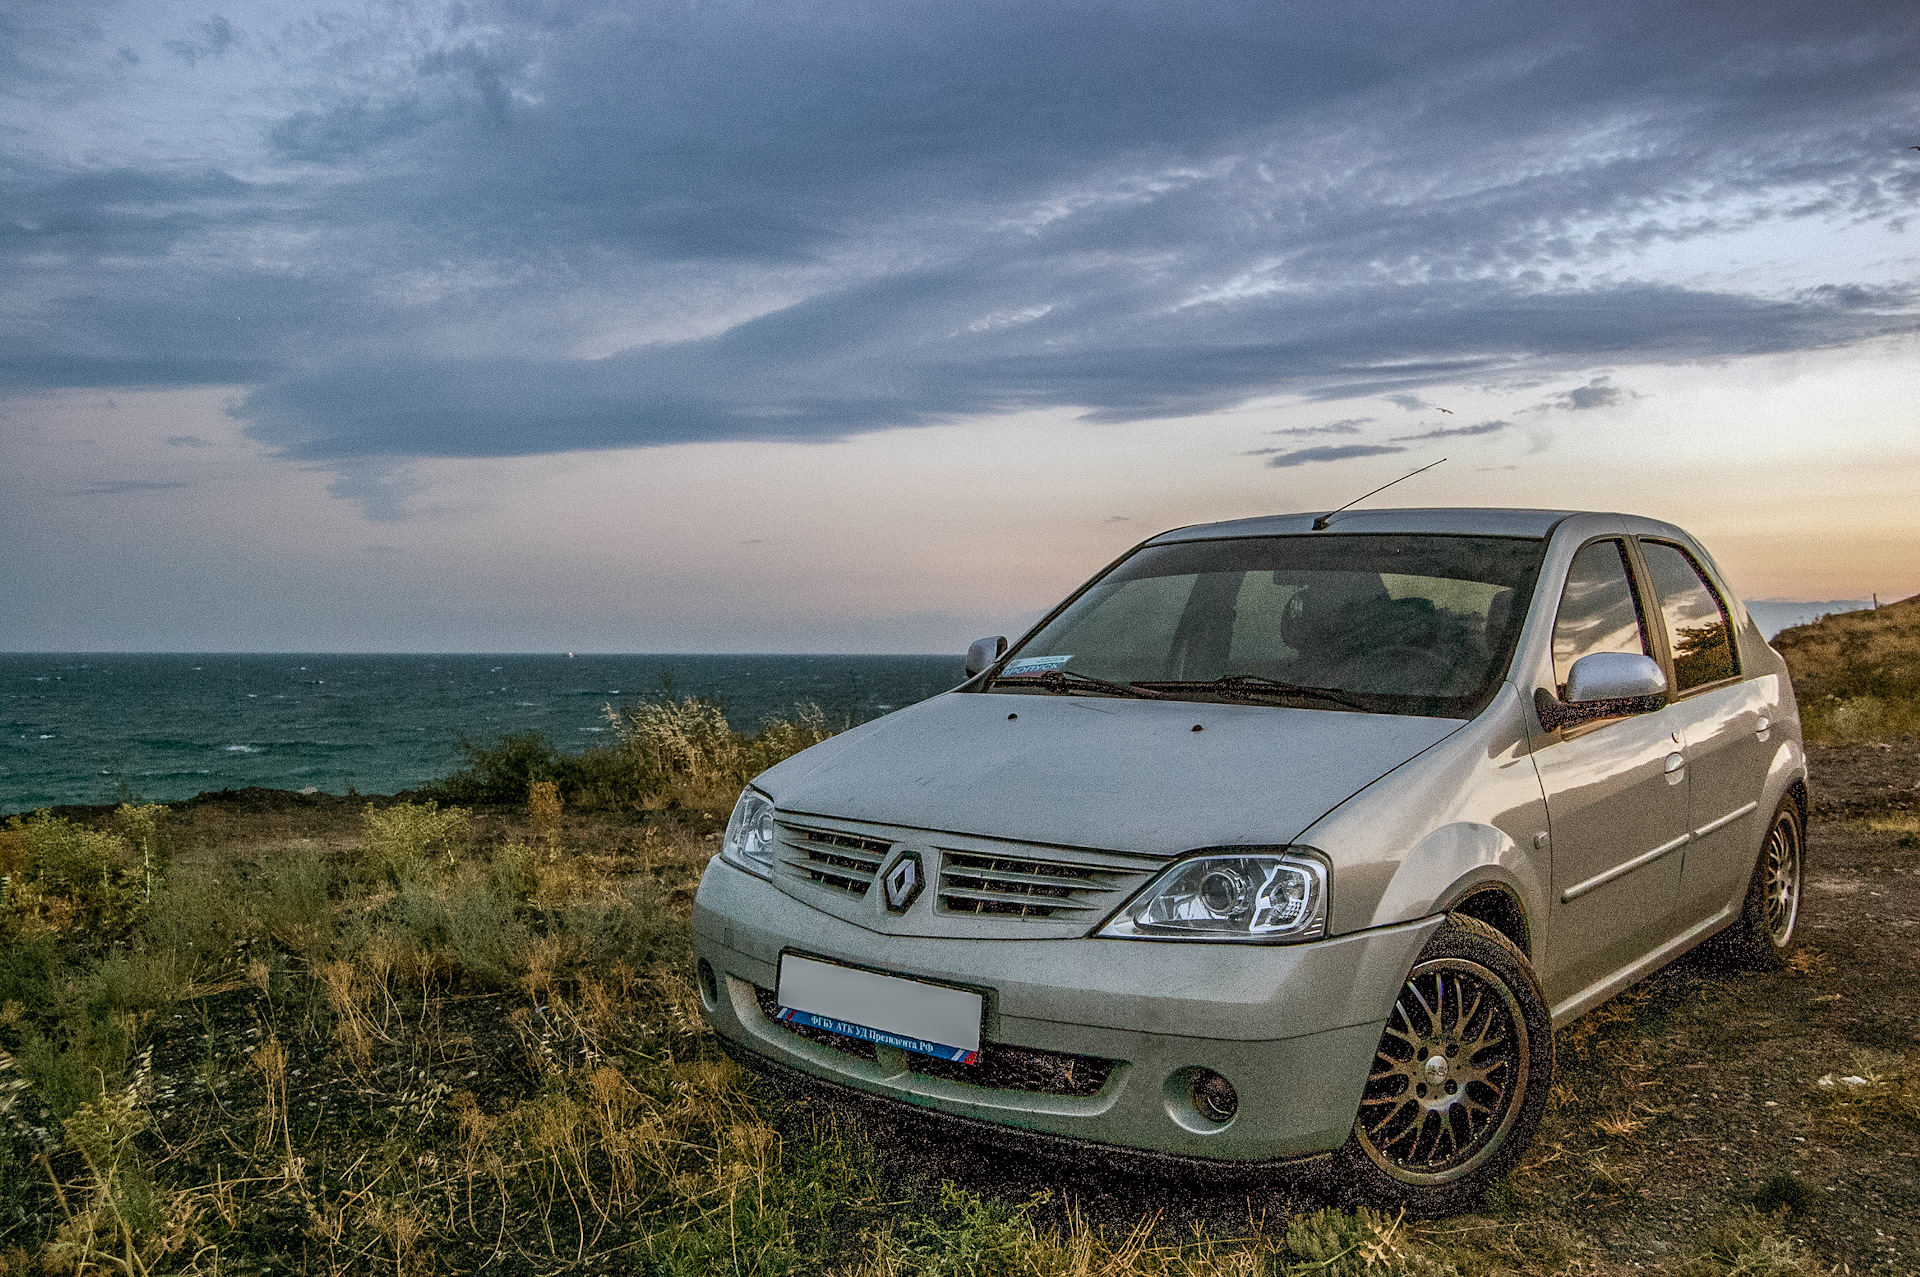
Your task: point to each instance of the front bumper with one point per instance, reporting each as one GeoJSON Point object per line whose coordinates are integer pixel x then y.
{"type": "Point", "coordinates": [1293, 1027]}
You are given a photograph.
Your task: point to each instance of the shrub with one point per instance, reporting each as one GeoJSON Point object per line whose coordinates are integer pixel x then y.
{"type": "Point", "coordinates": [683, 753]}
{"type": "Point", "coordinates": [501, 772]}
{"type": "Point", "coordinates": [544, 810]}
{"type": "Point", "coordinates": [395, 840]}
{"type": "Point", "coordinates": [62, 875]}
{"type": "Point", "coordinates": [677, 753]}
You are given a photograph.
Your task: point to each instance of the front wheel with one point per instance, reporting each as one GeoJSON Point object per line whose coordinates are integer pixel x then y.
{"type": "Point", "coordinates": [1459, 1080]}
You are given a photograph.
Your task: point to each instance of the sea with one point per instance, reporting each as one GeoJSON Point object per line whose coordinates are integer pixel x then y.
{"type": "Point", "coordinates": [81, 729]}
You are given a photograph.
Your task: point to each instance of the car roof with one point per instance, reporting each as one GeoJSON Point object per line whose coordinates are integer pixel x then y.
{"type": "Point", "coordinates": [1438, 519]}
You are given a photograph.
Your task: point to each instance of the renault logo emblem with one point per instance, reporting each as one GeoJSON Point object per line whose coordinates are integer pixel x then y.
{"type": "Point", "coordinates": [902, 883]}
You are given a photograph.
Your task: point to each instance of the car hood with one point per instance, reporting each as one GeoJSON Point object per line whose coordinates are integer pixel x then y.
{"type": "Point", "coordinates": [1159, 777]}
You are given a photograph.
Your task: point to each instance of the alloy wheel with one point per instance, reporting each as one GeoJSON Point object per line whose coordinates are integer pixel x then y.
{"type": "Point", "coordinates": [1781, 900]}
{"type": "Point", "coordinates": [1448, 1077]}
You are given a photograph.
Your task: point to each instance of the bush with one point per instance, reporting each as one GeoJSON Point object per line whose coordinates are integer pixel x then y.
{"type": "Point", "coordinates": [502, 772]}
{"type": "Point", "coordinates": [684, 754]}
{"type": "Point", "coordinates": [60, 875]}
{"type": "Point", "coordinates": [395, 840]}
{"type": "Point", "coordinates": [665, 754]}
{"type": "Point", "coordinates": [677, 753]}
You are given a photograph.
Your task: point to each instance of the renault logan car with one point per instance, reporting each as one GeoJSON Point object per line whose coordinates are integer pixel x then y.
{"type": "Point", "coordinates": [1282, 839]}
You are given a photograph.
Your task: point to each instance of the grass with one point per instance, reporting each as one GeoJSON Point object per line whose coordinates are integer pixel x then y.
{"type": "Point", "coordinates": [455, 1045]}
{"type": "Point", "coordinates": [1857, 674]}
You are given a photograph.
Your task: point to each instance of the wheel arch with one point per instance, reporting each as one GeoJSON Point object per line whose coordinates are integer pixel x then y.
{"type": "Point", "coordinates": [1500, 907]}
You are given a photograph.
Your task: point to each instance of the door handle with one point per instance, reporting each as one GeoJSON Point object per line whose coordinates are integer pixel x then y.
{"type": "Point", "coordinates": [1760, 728]}
{"type": "Point", "coordinates": [1676, 762]}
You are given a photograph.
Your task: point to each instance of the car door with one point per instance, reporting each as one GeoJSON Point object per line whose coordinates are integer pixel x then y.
{"type": "Point", "coordinates": [1615, 789]}
{"type": "Point", "coordinates": [1722, 718]}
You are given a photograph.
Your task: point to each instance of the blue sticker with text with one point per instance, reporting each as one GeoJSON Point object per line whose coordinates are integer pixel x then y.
{"type": "Point", "coordinates": [1035, 664]}
{"type": "Point", "coordinates": [939, 1050]}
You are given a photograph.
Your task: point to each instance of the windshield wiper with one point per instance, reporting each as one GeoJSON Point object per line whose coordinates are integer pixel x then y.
{"type": "Point", "coordinates": [1251, 685]}
{"type": "Point", "coordinates": [1062, 680]}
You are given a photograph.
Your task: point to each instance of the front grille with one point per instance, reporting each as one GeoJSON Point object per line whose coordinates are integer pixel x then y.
{"type": "Point", "coordinates": [843, 861]}
{"type": "Point", "coordinates": [1020, 1068]}
{"type": "Point", "coordinates": [999, 1067]}
{"type": "Point", "coordinates": [1024, 886]}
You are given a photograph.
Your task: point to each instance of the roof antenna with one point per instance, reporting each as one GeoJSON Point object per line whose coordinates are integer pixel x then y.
{"type": "Point", "coordinates": [1320, 524]}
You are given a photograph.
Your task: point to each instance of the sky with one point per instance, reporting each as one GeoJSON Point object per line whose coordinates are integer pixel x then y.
{"type": "Point", "coordinates": [838, 327]}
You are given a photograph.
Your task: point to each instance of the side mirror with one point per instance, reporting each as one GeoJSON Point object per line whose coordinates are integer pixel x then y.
{"type": "Point", "coordinates": [984, 652]}
{"type": "Point", "coordinates": [1604, 685]}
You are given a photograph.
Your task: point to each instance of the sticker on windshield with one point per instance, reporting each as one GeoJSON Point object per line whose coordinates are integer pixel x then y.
{"type": "Point", "coordinates": [1035, 664]}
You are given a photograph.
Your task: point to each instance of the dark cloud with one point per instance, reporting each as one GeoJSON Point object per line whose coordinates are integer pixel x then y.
{"type": "Point", "coordinates": [1335, 452]}
{"type": "Point", "coordinates": [120, 487]}
{"type": "Point", "coordinates": [1452, 432]}
{"type": "Point", "coordinates": [935, 213]}
{"type": "Point", "coordinates": [1345, 426]}
{"type": "Point", "coordinates": [1595, 394]}
{"type": "Point", "coordinates": [210, 39]}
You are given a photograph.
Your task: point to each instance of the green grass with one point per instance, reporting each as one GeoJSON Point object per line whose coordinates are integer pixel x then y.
{"type": "Point", "coordinates": [1857, 674]}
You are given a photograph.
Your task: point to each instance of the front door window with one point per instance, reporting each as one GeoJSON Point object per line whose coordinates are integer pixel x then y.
{"type": "Point", "coordinates": [1599, 611]}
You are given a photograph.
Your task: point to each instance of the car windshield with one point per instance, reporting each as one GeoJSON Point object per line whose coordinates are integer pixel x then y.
{"type": "Point", "coordinates": [1403, 624]}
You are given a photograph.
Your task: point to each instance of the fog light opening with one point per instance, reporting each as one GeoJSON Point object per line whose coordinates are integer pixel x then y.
{"type": "Point", "coordinates": [1214, 1097]}
{"type": "Point", "coordinates": [709, 985]}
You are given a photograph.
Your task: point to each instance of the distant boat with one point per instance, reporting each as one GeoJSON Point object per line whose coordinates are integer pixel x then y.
{"type": "Point", "coordinates": [569, 655]}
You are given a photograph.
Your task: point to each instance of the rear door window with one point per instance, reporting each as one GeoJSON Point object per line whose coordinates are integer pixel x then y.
{"type": "Point", "coordinates": [1698, 630]}
{"type": "Point", "coordinates": [1599, 611]}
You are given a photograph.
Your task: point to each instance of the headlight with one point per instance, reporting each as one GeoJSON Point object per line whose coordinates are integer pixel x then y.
{"type": "Point", "coordinates": [1248, 896]}
{"type": "Point", "coordinates": [748, 843]}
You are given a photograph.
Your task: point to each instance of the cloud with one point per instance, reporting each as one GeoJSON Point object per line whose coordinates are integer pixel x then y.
{"type": "Point", "coordinates": [120, 487]}
{"type": "Point", "coordinates": [1452, 432]}
{"type": "Point", "coordinates": [1595, 394]}
{"type": "Point", "coordinates": [211, 39]}
{"type": "Point", "coordinates": [491, 238]}
{"type": "Point", "coordinates": [187, 441]}
{"type": "Point", "coordinates": [379, 485]}
{"type": "Point", "coordinates": [1337, 452]}
{"type": "Point", "coordinates": [1345, 426]}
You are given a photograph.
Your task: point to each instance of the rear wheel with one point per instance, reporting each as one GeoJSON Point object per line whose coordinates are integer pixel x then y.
{"type": "Point", "coordinates": [1768, 915]}
{"type": "Point", "coordinates": [1459, 1079]}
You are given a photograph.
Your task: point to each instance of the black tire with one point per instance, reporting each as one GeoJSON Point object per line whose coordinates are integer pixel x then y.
{"type": "Point", "coordinates": [1430, 1137]}
{"type": "Point", "coordinates": [1763, 934]}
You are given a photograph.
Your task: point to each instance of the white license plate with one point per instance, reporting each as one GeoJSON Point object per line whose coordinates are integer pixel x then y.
{"type": "Point", "coordinates": [933, 1019]}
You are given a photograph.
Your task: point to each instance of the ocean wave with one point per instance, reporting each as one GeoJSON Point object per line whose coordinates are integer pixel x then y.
{"type": "Point", "coordinates": [241, 749]}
